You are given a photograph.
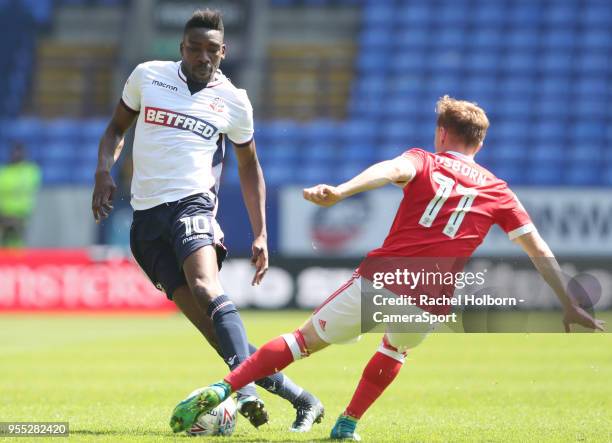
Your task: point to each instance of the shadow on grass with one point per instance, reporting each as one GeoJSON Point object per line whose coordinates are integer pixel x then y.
{"type": "Point", "coordinates": [126, 433]}
{"type": "Point", "coordinates": [183, 435]}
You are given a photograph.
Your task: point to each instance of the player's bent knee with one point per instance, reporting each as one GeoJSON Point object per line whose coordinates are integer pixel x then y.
{"type": "Point", "coordinates": [312, 339]}
{"type": "Point", "coordinates": [396, 345]}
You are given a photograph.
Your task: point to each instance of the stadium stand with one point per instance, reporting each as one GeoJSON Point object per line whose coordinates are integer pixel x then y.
{"type": "Point", "coordinates": [544, 76]}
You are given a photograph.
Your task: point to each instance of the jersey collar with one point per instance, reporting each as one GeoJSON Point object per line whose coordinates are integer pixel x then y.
{"type": "Point", "coordinates": [462, 156]}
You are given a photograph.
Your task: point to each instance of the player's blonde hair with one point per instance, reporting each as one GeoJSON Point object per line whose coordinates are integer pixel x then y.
{"type": "Point", "coordinates": [464, 119]}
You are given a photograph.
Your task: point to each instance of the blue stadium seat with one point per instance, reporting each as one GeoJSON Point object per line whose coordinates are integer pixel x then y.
{"type": "Point", "coordinates": [510, 172]}
{"type": "Point", "coordinates": [402, 64]}
{"type": "Point", "coordinates": [319, 152]}
{"type": "Point", "coordinates": [546, 153]}
{"type": "Point", "coordinates": [318, 131]}
{"type": "Point", "coordinates": [591, 107]}
{"type": "Point", "coordinates": [493, 14]}
{"type": "Point", "coordinates": [450, 38]}
{"type": "Point", "coordinates": [596, 14]}
{"type": "Point", "coordinates": [358, 131]}
{"type": "Point", "coordinates": [596, 38]}
{"type": "Point", "coordinates": [510, 130]}
{"type": "Point", "coordinates": [518, 86]}
{"type": "Point", "coordinates": [486, 37]}
{"type": "Point", "coordinates": [401, 108]}
{"type": "Point", "coordinates": [412, 13]}
{"type": "Point", "coordinates": [61, 129]}
{"type": "Point", "coordinates": [376, 38]}
{"type": "Point", "coordinates": [363, 153]}
{"type": "Point", "coordinates": [312, 174]}
{"type": "Point", "coordinates": [374, 86]}
{"type": "Point", "coordinates": [56, 173]}
{"type": "Point", "coordinates": [446, 60]}
{"type": "Point", "coordinates": [544, 174]}
{"type": "Point", "coordinates": [556, 86]}
{"type": "Point", "coordinates": [556, 62]}
{"type": "Point", "coordinates": [481, 62]}
{"type": "Point", "coordinates": [450, 14]}
{"type": "Point", "coordinates": [398, 132]}
{"type": "Point", "coordinates": [606, 178]}
{"type": "Point", "coordinates": [559, 38]}
{"type": "Point", "coordinates": [24, 128]}
{"type": "Point", "coordinates": [522, 39]}
{"type": "Point", "coordinates": [550, 108]}
{"type": "Point", "coordinates": [548, 129]}
{"type": "Point", "coordinates": [506, 151]}
{"type": "Point", "coordinates": [584, 152]}
{"type": "Point", "coordinates": [519, 62]}
{"type": "Point", "coordinates": [283, 130]}
{"type": "Point", "coordinates": [588, 131]}
{"type": "Point", "coordinates": [582, 175]}
{"type": "Point", "coordinates": [593, 86]}
{"type": "Point", "coordinates": [348, 170]}
{"type": "Point", "coordinates": [527, 14]}
{"type": "Point", "coordinates": [561, 13]}
{"type": "Point", "coordinates": [92, 128]}
{"type": "Point", "coordinates": [55, 152]}
{"type": "Point", "coordinates": [593, 61]}
{"type": "Point", "coordinates": [410, 37]}
{"type": "Point", "coordinates": [515, 107]}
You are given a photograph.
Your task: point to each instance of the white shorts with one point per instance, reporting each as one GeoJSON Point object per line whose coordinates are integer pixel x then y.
{"type": "Point", "coordinates": [338, 320]}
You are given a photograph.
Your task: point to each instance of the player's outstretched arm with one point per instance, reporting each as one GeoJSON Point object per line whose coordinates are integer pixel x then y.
{"type": "Point", "coordinates": [254, 194]}
{"type": "Point", "coordinates": [399, 170]}
{"type": "Point", "coordinates": [548, 267]}
{"type": "Point", "coordinates": [110, 148]}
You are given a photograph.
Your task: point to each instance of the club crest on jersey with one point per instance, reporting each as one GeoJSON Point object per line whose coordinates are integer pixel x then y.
{"type": "Point", "coordinates": [217, 105]}
{"type": "Point", "coordinates": [171, 119]}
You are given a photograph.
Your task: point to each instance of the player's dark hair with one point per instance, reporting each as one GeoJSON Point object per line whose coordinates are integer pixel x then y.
{"type": "Point", "coordinates": [205, 18]}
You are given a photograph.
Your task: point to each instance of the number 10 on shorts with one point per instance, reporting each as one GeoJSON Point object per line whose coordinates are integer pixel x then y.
{"type": "Point", "coordinates": [198, 224]}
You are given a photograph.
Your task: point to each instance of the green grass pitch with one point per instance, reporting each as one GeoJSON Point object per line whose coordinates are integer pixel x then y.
{"type": "Point", "coordinates": [117, 378]}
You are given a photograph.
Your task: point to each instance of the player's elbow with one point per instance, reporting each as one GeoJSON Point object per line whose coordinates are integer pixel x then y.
{"type": "Point", "coordinates": [395, 173]}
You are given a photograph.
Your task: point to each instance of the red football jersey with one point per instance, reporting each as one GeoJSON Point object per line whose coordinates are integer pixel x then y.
{"type": "Point", "coordinates": [449, 207]}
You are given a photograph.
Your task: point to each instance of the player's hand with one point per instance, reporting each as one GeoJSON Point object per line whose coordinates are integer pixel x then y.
{"type": "Point", "coordinates": [575, 314]}
{"type": "Point", "coordinates": [102, 198]}
{"type": "Point", "coordinates": [323, 195]}
{"type": "Point", "coordinates": [259, 259]}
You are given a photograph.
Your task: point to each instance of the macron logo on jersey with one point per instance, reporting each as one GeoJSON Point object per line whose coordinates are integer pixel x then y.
{"type": "Point", "coordinates": [164, 85]}
{"type": "Point", "coordinates": [163, 117]}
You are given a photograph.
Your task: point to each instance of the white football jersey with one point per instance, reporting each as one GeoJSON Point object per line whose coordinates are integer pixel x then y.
{"type": "Point", "coordinates": [180, 138]}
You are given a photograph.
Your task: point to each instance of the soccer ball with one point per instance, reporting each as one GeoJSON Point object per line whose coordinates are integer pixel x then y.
{"type": "Point", "coordinates": [219, 421]}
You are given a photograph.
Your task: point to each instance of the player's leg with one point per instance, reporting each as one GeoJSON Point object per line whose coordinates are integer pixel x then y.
{"type": "Point", "coordinates": [337, 320]}
{"type": "Point", "coordinates": [304, 402]}
{"type": "Point", "coordinates": [184, 300]}
{"type": "Point", "coordinates": [201, 272]}
{"type": "Point", "coordinates": [377, 375]}
{"type": "Point", "coordinates": [379, 372]}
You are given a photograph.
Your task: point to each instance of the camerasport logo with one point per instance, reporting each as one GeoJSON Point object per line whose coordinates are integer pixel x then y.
{"type": "Point", "coordinates": [171, 119]}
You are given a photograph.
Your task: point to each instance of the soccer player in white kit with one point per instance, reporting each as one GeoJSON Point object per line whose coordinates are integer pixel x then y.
{"type": "Point", "coordinates": [185, 112]}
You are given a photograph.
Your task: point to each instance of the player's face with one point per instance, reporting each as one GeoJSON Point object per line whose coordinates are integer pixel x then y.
{"type": "Point", "coordinates": [202, 51]}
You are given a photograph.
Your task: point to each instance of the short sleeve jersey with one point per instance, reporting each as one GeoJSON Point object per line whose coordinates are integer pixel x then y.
{"type": "Point", "coordinates": [449, 207]}
{"type": "Point", "coordinates": [180, 137]}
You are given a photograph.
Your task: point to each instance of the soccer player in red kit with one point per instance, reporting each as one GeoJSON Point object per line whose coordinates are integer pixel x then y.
{"type": "Point", "coordinates": [449, 205]}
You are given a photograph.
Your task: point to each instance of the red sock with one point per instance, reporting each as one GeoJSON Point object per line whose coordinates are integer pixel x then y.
{"type": "Point", "coordinates": [380, 371]}
{"type": "Point", "coordinates": [271, 358]}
